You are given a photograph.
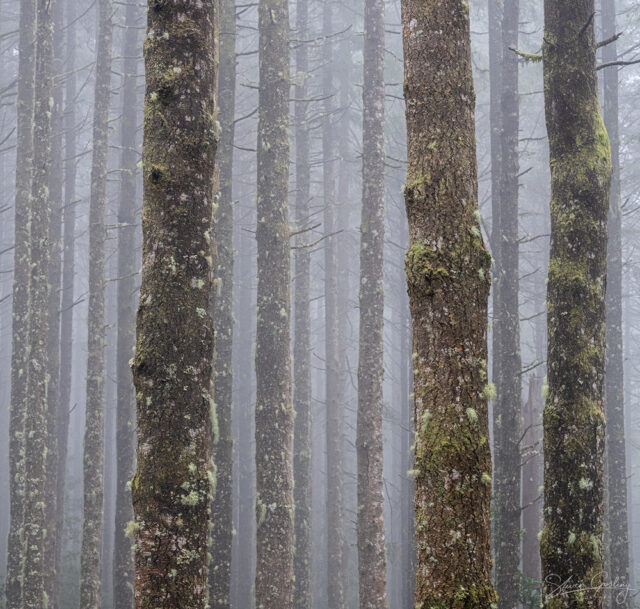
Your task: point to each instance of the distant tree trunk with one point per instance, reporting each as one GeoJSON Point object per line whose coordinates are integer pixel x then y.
{"type": "Point", "coordinates": [35, 429]}
{"type": "Point", "coordinates": [616, 508]}
{"type": "Point", "coordinates": [333, 377]}
{"type": "Point", "coordinates": [580, 162]}
{"type": "Point", "coordinates": [90, 575]}
{"type": "Point", "coordinates": [173, 366]}
{"type": "Point", "coordinates": [371, 541]}
{"type": "Point", "coordinates": [127, 267]}
{"type": "Point", "coordinates": [302, 326]}
{"type": "Point", "coordinates": [274, 417]}
{"type": "Point", "coordinates": [53, 537]}
{"type": "Point", "coordinates": [68, 275]}
{"type": "Point", "coordinates": [222, 514]}
{"type": "Point", "coordinates": [508, 403]}
{"type": "Point", "coordinates": [21, 273]}
{"type": "Point", "coordinates": [531, 481]}
{"type": "Point", "coordinates": [448, 277]}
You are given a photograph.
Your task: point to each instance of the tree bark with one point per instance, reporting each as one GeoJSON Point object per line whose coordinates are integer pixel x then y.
{"type": "Point", "coordinates": [90, 561]}
{"type": "Point", "coordinates": [21, 273]}
{"type": "Point", "coordinates": [222, 515]}
{"type": "Point", "coordinates": [448, 277]}
{"type": "Point", "coordinates": [371, 540]}
{"type": "Point", "coordinates": [127, 267]}
{"type": "Point", "coordinates": [274, 416]}
{"type": "Point", "coordinates": [580, 162]}
{"type": "Point", "coordinates": [616, 507]}
{"type": "Point", "coordinates": [302, 327]}
{"type": "Point", "coordinates": [172, 488]}
{"type": "Point", "coordinates": [35, 427]}
{"type": "Point", "coordinates": [508, 403]}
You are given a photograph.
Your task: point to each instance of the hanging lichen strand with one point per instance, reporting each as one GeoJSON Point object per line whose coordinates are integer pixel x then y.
{"type": "Point", "coordinates": [172, 488]}
{"type": "Point", "coordinates": [274, 416]}
{"type": "Point", "coordinates": [447, 271]}
{"type": "Point", "coordinates": [580, 162]}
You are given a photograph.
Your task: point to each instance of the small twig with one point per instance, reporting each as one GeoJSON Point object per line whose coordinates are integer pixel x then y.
{"type": "Point", "coordinates": [617, 63]}
{"type": "Point", "coordinates": [604, 43]}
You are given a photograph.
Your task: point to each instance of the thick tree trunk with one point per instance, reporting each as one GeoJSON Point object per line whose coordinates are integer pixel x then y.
{"type": "Point", "coordinates": [371, 543]}
{"type": "Point", "coordinates": [616, 508]}
{"type": "Point", "coordinates": [68, 273]}
{"type": "Point", "coordinates": [90, 574]}
{"type": "Point", "coordinates": [508, 403]}
{"type": "Point", "coordinates": [580, 159]}
{"type": "Point", "coordinates": [127, 267]}
{"type": "Point", "coordinates": [334, 394]}
{"type": "Point", "coordinates": [172, 488]}
{"type": "Point", "coordinates": [53, 537]}
{"type": "Point", "coordinates": [274, 416]}
{"type": "Point", "coordinates": [21, 273]}
{"type": "Point", "coordinates": [35, 428]}
{"type": "Point", "coordinates": [222, 514]}
{"type": "Point", "coordinates": [448, 276]}
{"type": "Point", "coordinates": [302, 327]}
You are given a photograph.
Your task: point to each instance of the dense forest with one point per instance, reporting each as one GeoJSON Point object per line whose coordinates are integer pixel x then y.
{"type": "Point", "coordinates": [319, 305]}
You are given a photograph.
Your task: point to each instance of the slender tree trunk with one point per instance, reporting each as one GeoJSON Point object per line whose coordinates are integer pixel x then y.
{"type": "Point", "coordinates": [21, 272]}
{"type": "Point", "coordinates": [448, 277]}
{"type": "Point", "coordinates": [90, 575]}
{"type": "Point", "coordinates": [173, 366]}
{"type": "Point", "coordinates": [333, 388]}
{"type": "Point", "coordinates": [371, 542]}
{"type": "Point", "coordinates": [508, 404]}
{"type": "Point", "coordinates": [53, 536]}
{"type": "Point", "coordinates": [580, 162]}
{"type": "Point", "coordinates": [302, 325]}
{"type": "Point", "coordinates": [616, 508]}
{"type": "Point", "coordinates": [68, 272]}
{"type": "Point", "coordinates": [35, 429]}
{"type": "Point", "coordinates": [531, 481]}
{"type": "Point", "coordinates": [274, 417]}
{"type": "Point", "coordinates": [127, 266]}
{"type": "Point", "coordinates": [222, 514]}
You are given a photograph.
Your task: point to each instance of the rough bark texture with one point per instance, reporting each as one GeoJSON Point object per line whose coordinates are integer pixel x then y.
{"type": "Point", "coordinates": [53, 537]}
{"type": "Point", "coordinates": [371, 544]}
{"type": "Point", "coordinates": [24, 172]}
{"type": "Point", "coordinates": [35, 428]}
{"type": "Point", "coordinates": [616, 507]}
{"type": "Point", "coordinates": [274, 417]}
{"type": "Point", "coordinates": [68, 272]}
{"type": "Point", "coordinates": [302, 327]}
{"type": "Point", "coordinates": [90, 561]}
{"type": "Point", "coordinates": [507, 368]}
{"type": "Point", "coordinates": [127, 267]}
{"type": "Point", "coordinates": [172, 488]}
{"type": "Point", "coordinates": [222, 515]}
{"type": "Point", "coordinates": [448, 277]}
{"type": "Point", "coordinates": [334, 394]}
{"type": "Point", "coordinates": [580, 163]}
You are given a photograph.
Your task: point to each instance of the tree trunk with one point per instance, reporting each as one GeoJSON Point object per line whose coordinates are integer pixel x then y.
{"type": "Point", "coordinates": [35, 428]}
{"type": "Point", "coordinates": [371, 542]}
{"type": "Point", "coordinates": [222, 514]}
{"type": "Point", "coordinates": [448, 277]}
{"type": "Point", "coordinates": [508, 403]}
{"type": "Point", "coordinates": [334, 394]}
{"type": "Point", "coordinates": [127, 267]}
{"type": "Point", "coordinates": [580, 162]}
{"type": "Point", "coordinates": [302, 327]}
{"type": "Point", "coordinates": [90, 569]}
{"type": "Point", "coordinates": [172, 488]}
{"type": "Point", "coordinates": [68, 276]}
{"type": "Point", "coordinates": [21, 272]}
{"type": "Point", "coordinates": [616, 507]}
{"type": "Point", "coordinates": [274, 417]}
